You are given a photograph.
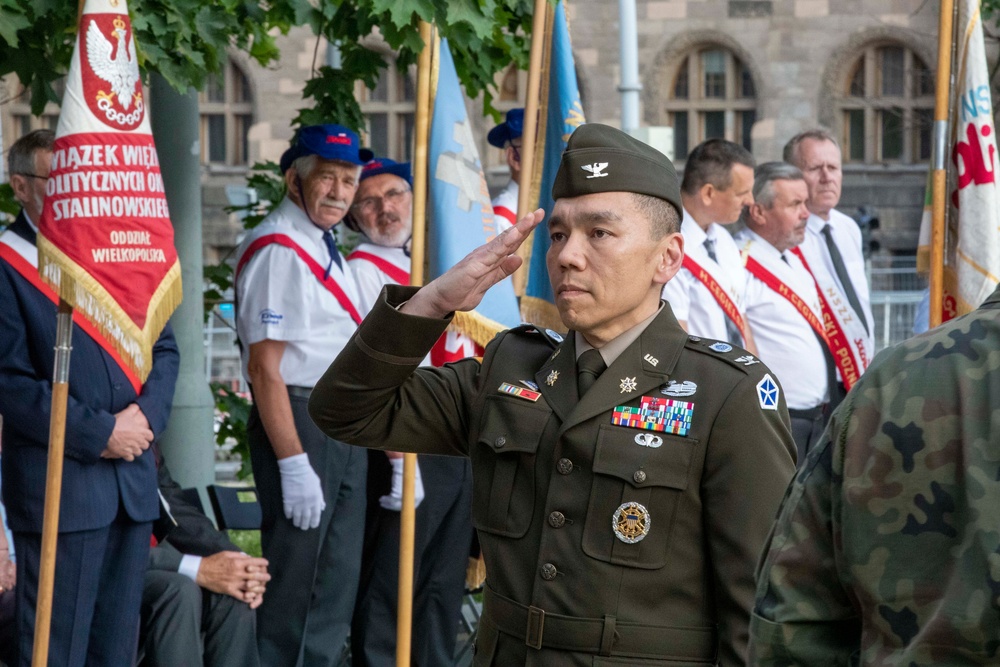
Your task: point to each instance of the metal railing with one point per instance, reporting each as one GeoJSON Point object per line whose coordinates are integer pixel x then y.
{"type": "Point", "coordinates": [896, 292]}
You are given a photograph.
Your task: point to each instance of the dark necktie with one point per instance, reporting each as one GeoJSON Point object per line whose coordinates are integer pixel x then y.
{"type": "Point", "coordinates": [588, 367]}
{"type": "Point", "coordinates": [331, 245]}
{"type": "Point", "coordinates": [845, 279]}
{"type": "Point", "coordinates": [732, 331]}
{"type": "Point", "coordinates": [831, 365]}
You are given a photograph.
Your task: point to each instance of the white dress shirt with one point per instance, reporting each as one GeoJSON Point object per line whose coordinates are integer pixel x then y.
{"type": "Point", "coordinates": [847, 236]}
{"type": "Point", "coordinates": [689, 298]}
{"type": "Point", "coordinates": [279, 298]}
{"type": "Point", "coordinates": [785, 340]}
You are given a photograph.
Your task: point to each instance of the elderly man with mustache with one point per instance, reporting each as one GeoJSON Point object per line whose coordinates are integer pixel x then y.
{"type": "Point", "coordinates": [297, 306]}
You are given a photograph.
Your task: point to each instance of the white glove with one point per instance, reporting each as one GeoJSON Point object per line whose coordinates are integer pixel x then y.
{"type": "Point", "coordinates": [301, 491]}
{"type": "Point", "coordinates": [394, 501]}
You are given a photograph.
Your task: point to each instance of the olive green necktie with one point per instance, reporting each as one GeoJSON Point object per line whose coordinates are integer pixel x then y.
{"type": "Point", "coordinates": [588, 367]}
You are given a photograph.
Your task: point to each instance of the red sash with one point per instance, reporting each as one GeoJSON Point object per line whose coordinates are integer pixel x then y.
{"type": "Point", "coordinates": [772, 281]}
{"type": "Point", "coordinates": [388, 268]}
{"type": "Point", "coordinates": [505, 212]}
{"type": "Point", "coordinates": [328, 282]}
{"type": "Point", "coordinates": [25, 269]}
{"type": "Point", "coordinates": [836, 339]}
{"type": "Point", "coordinates": [716, 290]}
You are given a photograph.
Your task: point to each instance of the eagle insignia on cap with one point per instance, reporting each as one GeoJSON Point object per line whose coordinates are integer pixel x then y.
{"type": "Point", "coordinates": [596, 170]}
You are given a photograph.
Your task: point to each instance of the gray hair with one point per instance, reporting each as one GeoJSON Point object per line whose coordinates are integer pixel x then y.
{"type": "Point", "coordinates": [21, 157]}
{"type": "Point", "coordinates": [791, 152]}
{"type": "Point", "coordinates": [305, 165]}
{"type": "Point", "coordinates": [663, 217]}
{"type": "Point", "coordinates": [764, 177]}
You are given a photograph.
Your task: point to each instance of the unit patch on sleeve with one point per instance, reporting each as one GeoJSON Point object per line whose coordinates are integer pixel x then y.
{"type": "Point", "coordinates": [767, 393]}
{"type": "Point", "coordinates": [656, 414]}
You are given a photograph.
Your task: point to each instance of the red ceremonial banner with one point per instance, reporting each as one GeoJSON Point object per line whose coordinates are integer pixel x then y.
{"type": "Point", "coordinates": [105, 240]}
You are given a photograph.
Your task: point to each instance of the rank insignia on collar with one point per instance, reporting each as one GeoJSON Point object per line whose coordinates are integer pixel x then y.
{"type": "Point", "coordinates": [664, 415]}
{"type": "Point", "coordinates": [551, 379]}
{"type": "Point", "coordinates": [675, 388]}
{"type": "Point", "coordinates": [520, 392]}
{"type": "Point", "coordinates": [628, 385]}
{"type": "Point", "coordinates": [747, 360]}
{"type": "Point", "coordinates": [767, 393]}
{"type": "Point", "coordinates": [529, 384]}
{"type": "Point", "coordinates": [720, 347]}
{"type": "Point", "coordinates": [631, 522]}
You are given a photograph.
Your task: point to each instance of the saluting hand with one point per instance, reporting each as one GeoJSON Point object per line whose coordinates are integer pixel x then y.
{"type": "Point", "coordinates": [462, 287]}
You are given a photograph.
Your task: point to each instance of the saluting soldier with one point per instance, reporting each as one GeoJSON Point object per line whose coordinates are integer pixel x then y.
{"type": "Point", "coordinates": [625, 477]}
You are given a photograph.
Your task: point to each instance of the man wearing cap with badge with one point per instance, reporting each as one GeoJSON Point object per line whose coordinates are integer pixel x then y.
{"type": "Point", "coordinates": [507, 136]}
{"type": "Point", "coordinates": [625, 478]}
{"type": "Point", "coordinates": [707, 293]}
{"type": "Point", "coordinates": [297, 305]}
{"type": "Point", "coordinates": [783, 305]}
{"type": "Point", "coordinates": [383, 212]}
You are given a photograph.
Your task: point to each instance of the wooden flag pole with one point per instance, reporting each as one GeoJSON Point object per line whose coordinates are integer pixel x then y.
{"type": "Point", "coordinates": [529, 133]}
{"type": "Point", "coordinates": [939, 175]}
{"type": "Point", "coordinates": [53, 484]}
{"type": "Point", "coordinates": [418, 251]}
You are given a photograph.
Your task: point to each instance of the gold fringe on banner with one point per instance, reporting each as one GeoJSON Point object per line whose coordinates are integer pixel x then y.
{"type": "Point", "coordinates": [541, 313]}
{"type": "Point", "coordinates": [477, 327]}
{"type": "Point", "coordinates": [80, 289]}
{"type": "Point", "coordinates": [475, 573]}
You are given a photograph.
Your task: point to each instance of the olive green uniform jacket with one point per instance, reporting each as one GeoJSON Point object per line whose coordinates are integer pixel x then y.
{"type": "Point", "coordinates": [550, 474]}
{"type": "Point", "coordinates": [887, 549]}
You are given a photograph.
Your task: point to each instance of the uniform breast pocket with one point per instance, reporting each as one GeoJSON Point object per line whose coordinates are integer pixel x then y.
{"type": "Point", "coordinates": [645, 475]}
{"type": "Point", "coordinates": [503, 465]}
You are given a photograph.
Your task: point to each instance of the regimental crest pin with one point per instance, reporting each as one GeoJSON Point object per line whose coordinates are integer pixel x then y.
{"type": "Point", "coordinates": [552, 377]}
{"type": "Point", "coordinates": [628, 385]}
{"type": "Point", "coordinates": [631, 522]}
{"type": "Point", "coordinates": [767, 393]}
{"type": "Point", "coordinates": [720, 347]}
{"type": "Point", "coordinates": [554, 335]}
{"type": "Point", "coordinates": [529, 384]}
{"type": "Point", "coordinates": [675, 388]}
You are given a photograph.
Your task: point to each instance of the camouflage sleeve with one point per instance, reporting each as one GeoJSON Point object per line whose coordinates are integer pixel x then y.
{"type": "Point", "coordinates": [802, 614]}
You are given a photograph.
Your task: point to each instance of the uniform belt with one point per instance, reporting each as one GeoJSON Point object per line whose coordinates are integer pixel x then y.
{"type": "Point", "coordinates": [602, 636]}
{"type": "Point", "coordinates": [299, 392]}
{"type": "Point", "coordinates": [808, 413]}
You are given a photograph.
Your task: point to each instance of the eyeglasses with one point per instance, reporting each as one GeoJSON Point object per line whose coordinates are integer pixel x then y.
{"type": "Point", "coordinates": [517, 151]}
{"type": "Point", "coordinates": [369, 204]}
{"type": "Point", "coordinates": [43, 178]}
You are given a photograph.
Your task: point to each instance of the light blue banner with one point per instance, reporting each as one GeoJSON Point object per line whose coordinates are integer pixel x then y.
{"type": "Point", "coordinates": [460, 217]}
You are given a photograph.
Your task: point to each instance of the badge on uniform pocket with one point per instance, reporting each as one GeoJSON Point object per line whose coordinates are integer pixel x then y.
{"type": "Point", "coordinates": [631, 522]}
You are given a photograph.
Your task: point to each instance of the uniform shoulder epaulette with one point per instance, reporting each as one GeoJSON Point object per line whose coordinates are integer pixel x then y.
{"type": "Point", "coordinates": [734, 356]}
{"type": "Point", "coordinates": [553, 338]}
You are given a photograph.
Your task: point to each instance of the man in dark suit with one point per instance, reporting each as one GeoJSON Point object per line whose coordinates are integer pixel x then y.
{"type": "Point", "coordinates": [625, 477]}
{"type": "Point", "coordinates": [109, 495]}
{"type": "Point", "coordinates": [200, 591]}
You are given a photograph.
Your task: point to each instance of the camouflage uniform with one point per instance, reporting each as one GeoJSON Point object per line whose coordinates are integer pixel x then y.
{"type": "Point", "coordinates": [887, 547]}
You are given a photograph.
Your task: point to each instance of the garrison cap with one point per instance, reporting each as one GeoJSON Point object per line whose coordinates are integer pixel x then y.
{"type": "Point", "coordinates": [599, 158]}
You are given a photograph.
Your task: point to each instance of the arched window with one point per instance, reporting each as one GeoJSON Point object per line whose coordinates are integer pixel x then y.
{"type": "Point", "coordinates": [887, 106]}
{"type": "Point", "coordinates": [226, 107]}
{"type": "Point", "coordinates": [712, 95]}
{"type": "Point", "coordinates": [389, 113]}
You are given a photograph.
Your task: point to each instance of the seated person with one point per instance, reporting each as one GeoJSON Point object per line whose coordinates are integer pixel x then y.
{"type": "Point", "coordinates": [200, 591]}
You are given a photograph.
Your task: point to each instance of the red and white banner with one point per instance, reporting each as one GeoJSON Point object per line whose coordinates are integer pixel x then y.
{"type": "Point", "coordinates": [106, 244]}
{"type": "Point", "coordinates": [972, 234]}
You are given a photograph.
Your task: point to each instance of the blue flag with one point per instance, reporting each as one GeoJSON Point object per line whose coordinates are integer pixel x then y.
{"type": "Point", "coordinates": [564, 113]}
{"type": "Point", "coordinates": [460, 214]}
